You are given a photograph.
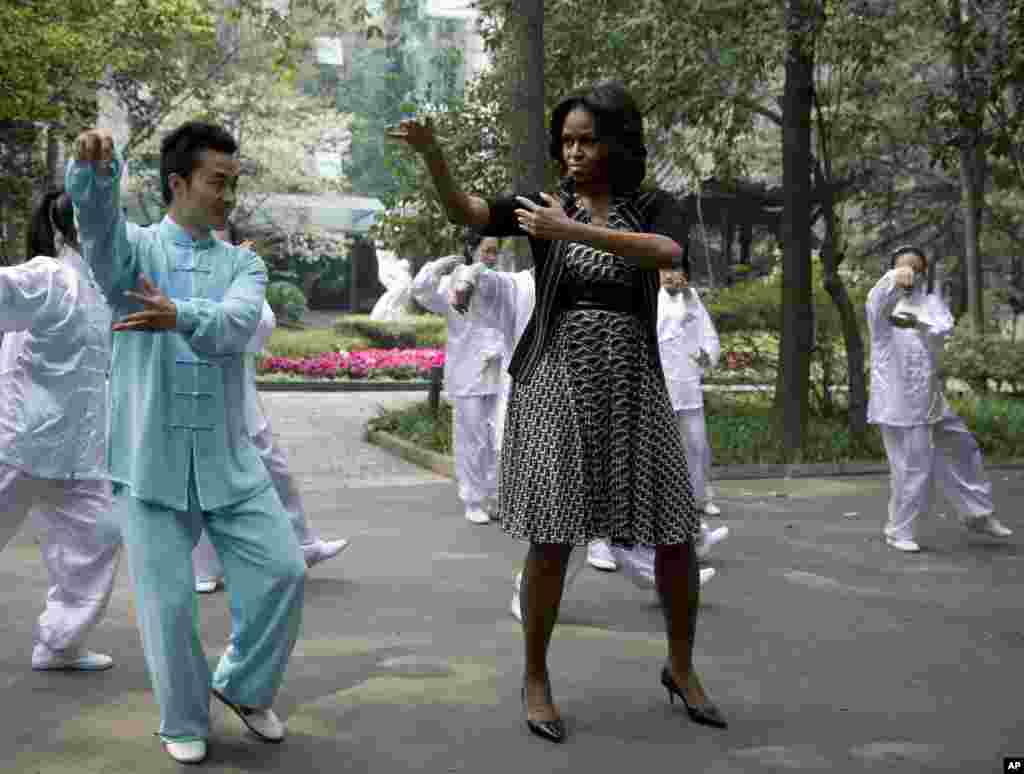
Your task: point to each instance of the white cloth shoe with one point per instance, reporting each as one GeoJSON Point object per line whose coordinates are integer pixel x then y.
{"type": "Point", "coordinates": [706, 574]}
{"type": "Point", "coordinates": [599, 556]}
{"type": "Point", "coordinates": [711, 509]}
{"type": "Point", "coordinates": [44, 659]}
{"type": "Point", "coordinates": [709, 537]}
{"type": "Point", "coordinates": [207, 585]}
{"type": "Point", "coordinates": [988, 525]}
{"type": "Point", "coordinates": [909, 546]}
{"type": "Point", "coordinates": [264, 723]}
{"type": "Point", "coordinates": [192, 751]}
{"type": "Point", "coordinates": [477, 515]}
{"type": "Point", "coordinates": [322, 550]}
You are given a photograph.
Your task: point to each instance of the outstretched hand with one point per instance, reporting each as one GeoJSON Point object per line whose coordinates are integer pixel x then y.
{"type": "Point", "coordinates": [95, 146]}
{"type": "Point", "coordinates": [419, 135]}
{"type": "Point", "coordinates": [160, 313]}
{"type": "Point", "coordinates": [550, 223]}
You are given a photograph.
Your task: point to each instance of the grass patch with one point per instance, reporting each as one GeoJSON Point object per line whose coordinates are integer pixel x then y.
{"type": "Point", "coordinates": [311, 342]}
{"type": "Point", "coordinates": [416, 423]}
{"type": "Point", "coordinates": [429, 331]}
{"type": "Point", "coordinates": [742, 430]}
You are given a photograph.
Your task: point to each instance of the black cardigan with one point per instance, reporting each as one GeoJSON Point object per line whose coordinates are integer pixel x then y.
{"type": "Point", "coordinates": [656, 211]}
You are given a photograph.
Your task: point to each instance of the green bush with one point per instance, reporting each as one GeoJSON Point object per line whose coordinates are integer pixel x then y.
{"type": "Point", "coordinates": [997, 423]}
{"type": "Point", "coordinates": [985, 363]}
{"type": "Point", "coordinates": [287, 300]}
{"type": "Point", "coordinates": [417, 424]}
{"type": "Point", "coordinates": [419, 331]}
{"type": "Point", "coordinates": [311, 342]}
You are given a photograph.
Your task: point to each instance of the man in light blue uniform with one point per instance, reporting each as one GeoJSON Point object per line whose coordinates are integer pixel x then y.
{"type": "Point", "coordinates": [179, 454]}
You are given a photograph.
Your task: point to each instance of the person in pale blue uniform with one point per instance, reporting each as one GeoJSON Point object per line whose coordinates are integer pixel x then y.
{"type": "Point", "coordinates": [179, 454]}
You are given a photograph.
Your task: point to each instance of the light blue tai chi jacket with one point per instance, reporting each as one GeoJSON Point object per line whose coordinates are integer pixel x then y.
{"type": "Point", "coordinates": [177, 397]}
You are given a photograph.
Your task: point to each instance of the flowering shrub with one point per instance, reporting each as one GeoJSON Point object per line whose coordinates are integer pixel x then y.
{"type": "Point", "coordinates": [361, 364]}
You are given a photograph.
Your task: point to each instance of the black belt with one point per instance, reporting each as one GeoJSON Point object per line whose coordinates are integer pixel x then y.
{"type": "Point", "coordinates": [609, 298]}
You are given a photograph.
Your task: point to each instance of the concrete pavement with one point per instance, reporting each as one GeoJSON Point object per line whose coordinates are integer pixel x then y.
{"type": "Point", "coordinates": [826, 650]}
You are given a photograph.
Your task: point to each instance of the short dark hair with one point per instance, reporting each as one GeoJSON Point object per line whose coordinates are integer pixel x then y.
{"type": "Point", "coordinates": [618, 122]}
{"type": "Point", "coordinates": [181, 149]}
{"type": "Point", "coordinates": [54, 214]}
{"type": "Point", "coordinates": [907, 250]}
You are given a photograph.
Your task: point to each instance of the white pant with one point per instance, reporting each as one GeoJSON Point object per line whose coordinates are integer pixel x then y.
{"type": "Point", "coordinates": [80, 551]}
{"type": "Point", "coordinates": [204, 557]}
{"type": "Point", "coordinates": [918, 456]}
{"type": "Point", "coordinates": [693, 428]}
{"type": "Point", "coordinates": [476, 449]}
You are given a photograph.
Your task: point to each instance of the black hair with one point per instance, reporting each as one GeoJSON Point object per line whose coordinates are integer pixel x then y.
{"type": "Point", "coordinates": [54, 214]}
{"type": "Point", "coordinates": [180, 151]}
{"type": "Point", "coordinates": [904, 250]}
{"type": "Point", "coordinates": [617, 122]}
{"type": "Point", "coordinates": [472, 238]}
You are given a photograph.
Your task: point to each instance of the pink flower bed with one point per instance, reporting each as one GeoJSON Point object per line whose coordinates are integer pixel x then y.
{"type": "Point", "coordinates": [361, 364]}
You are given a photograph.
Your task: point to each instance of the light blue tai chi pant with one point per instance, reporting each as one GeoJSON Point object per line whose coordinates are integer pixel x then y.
{"type": "Point", "coordinates": [265, 574]}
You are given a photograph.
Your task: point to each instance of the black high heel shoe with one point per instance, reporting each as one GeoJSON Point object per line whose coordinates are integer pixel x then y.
{"type": "Point", "coordinates": [706, 715]}
{"type": "Point", "coordinates": [552, 730]}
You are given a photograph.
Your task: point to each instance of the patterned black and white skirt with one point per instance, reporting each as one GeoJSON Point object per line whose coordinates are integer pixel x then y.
{"type": "Point", "coordinates": [591, 446]}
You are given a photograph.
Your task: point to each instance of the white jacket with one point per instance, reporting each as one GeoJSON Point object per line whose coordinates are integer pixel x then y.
{"type": "Point", "coordinates": [476, 351]}
{"type": "Point", "coordinates": [255, 417]}
{"type": "Point", "coordinates": [684, 329]}
{"type": "Point", "coordinates": [54, 362]}
{"type": "Point", "coordinates": [905, 387]}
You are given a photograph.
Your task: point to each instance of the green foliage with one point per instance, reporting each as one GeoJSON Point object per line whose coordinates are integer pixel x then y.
{"type": "Point", "coordinates": [997, 423]}
{"type": "Point", "coordinates": [416, 423]}
{"type": "Point", "coordinates": [421, 331]}
{"type": "Point", "coordinates": [287, 300]}
{"type": "Point", "coordinates": [985, 363]}
{"type": "Point", "coordinates": [311, 342]}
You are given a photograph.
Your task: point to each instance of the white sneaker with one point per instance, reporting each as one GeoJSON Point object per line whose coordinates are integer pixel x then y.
{"type": "Point", "coordinates": [477, 515]}
{"type": "Point", "coordinates": [322, 550]}
{"type": "Point", "coordinates": [711, 509]}
{"type": "Point", "coordinates": [207, 585]}
{"type": "Point", "coordinates": [908, 546]}
{"type": "Point", "coordinates": [193, 751]}
{"type": "Point", "coordinates": [262, 722]}
{"type": "Point", "coordinates": [709, 537]}
{"type": "Point", "coordinates": [706, 574]}
{"type": "Point", "coordinates": [599, 556]}
{"type": "Point", "coordinates": [513, 606]}
{"type": "Point", "coordinates": [44, 659]}
{"type": "Point", "coordinates": [988, 525]}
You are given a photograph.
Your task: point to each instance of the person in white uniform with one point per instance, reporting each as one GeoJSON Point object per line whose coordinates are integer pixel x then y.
{"type": "Point", "coordinates": [472, 373]}
{"type": "Point", "coordinates": [53, 432]}
{"type": "Point", "coordinates": [208, 569]}
{"type": "Point", "coordinates": [924, 439]}
{"type": "Point", "coordinates": [504, 301]}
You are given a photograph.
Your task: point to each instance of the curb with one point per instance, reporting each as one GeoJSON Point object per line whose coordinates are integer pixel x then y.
{"type": "Point", "coordinates": [441, 464]}
{"type": "Point", "coordinates": [445, 465]}
{"type": "Point", "coordinates": [417, 385]}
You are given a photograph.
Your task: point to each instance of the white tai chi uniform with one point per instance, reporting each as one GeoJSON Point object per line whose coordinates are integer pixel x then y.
{"type": "Point", "coordinates": [924, 439]}
{"type": "Point", "coordinates": [204, 556]}
{"type": "Point", "coordinates": [53, 435]}
{"type": "Point", "coordinates": [684, 329]}
{"type": "Point", "coordinates": [472, 374]}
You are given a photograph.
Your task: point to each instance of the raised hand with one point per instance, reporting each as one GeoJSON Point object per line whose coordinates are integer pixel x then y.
{"type": "Point", "coordinates": [418, 135]}
{"type": "Point", "coordinates": [160, 313]}
{"type": "Point", "coordinates": [447, 265]}
{"type": "Point", "coordinates": [550, 223]}
{"type": "Point", "coordinates": [95, 146]}
{"type": "Point", "coordinates": [903, 276]}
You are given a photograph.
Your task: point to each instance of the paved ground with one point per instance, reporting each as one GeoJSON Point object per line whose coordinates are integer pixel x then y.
{"type": "Point", "coordinates": [827, 651]}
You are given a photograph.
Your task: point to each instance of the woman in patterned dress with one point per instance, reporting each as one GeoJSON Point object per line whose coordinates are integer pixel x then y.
{"type": "Point", "coordinates": [591, 448]}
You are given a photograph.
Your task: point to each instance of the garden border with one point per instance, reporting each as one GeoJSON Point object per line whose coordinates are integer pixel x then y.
{"type": "Point", "coordinates": [445, 465]}
{"type": "Point", "coordinates": [346, 385]}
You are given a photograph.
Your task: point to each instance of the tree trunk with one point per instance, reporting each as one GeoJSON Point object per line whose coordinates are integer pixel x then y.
{"type": "Point", "coordinates": [971, 167]}
{"type": "Point", "coordinates": [525, 33]}
{"type": "Point", "coordinates": [791, 397]}
{"type": "Point", "coordinates": [831, 259]}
